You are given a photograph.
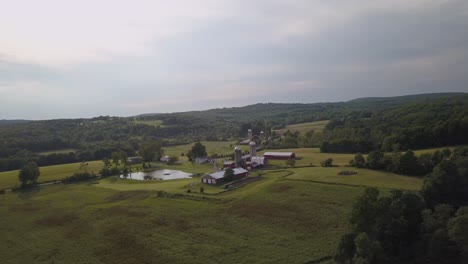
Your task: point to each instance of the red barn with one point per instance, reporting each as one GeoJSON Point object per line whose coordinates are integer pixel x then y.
{"type": "Point", "coordinates": [279, 155]}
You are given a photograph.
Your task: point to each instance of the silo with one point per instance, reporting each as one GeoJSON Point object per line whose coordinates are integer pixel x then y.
{"type": "Point", "coordinates": [253, 149]}
{"type": "Point", "coordinates": [262, 135]}
{"type": "Point", "coordinates": [249, 134]}
{"type": "Point", "coordinates": [237, 156]}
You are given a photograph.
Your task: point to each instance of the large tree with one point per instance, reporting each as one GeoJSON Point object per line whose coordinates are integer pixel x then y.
{"type": "Point", "coordinates": [29, 173]}
{"type": "Point", "coordinates": [198, 150]}
{"type": "Point", "coordinates": [150, 151]}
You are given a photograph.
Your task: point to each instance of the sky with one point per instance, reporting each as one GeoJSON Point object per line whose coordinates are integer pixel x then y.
{"type": "Point", "coordinates": [70, 59]}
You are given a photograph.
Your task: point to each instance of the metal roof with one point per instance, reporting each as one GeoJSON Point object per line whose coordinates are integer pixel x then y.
{"type": "Point", "coordinates": [220, 174]}
{"type": "Point", "coordinates": [282, 154]}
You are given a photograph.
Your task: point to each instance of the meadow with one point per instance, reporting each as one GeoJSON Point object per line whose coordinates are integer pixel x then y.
{"type": "Point", "coordinates": [9, 179]}
{"type": "Point", "coordinates": [274, 220]}
{"type": "Point", "coordinates": [292, 215]}
{"type": "Point", "coordinates": [303, 128]}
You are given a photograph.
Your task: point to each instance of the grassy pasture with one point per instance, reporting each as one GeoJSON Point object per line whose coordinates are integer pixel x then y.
{"type": "Point", "coordinates": [314, 156]}
{"type": "Point", "coordinates": [303, 128]}
{"type": "Point", "coordinates": [155, 123]}
{"type": "Point", "coordinates": [364, 177]}
{"type": "Point", "coordinates": [271, 221]}
{"type": "Point", "coordinates": [48, 173]}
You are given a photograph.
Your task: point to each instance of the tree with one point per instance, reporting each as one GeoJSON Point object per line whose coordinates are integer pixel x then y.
{"type": "Point", "coordinates": [327, 163]}
{"type": "Point", "coordinates": [375, 160]}
{"type": "Point", "coordinates": [229, 175]}
{"type": "Point", "coordinates": [115, 157]}
{"type": "Point", "coordinates": [198, 150]}
{"type": "Point", "coordinates": [150, 151]}
{"type": "Point", "coordinates": [172, 159]}
{"type": "Point", "coordinates": [291, 162]}
{"type": "Point", "coordinates": [29, 174]}
{"type": "Point", "coordinates": [358, 161]}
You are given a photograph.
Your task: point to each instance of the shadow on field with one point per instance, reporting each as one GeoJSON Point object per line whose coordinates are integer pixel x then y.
{"type": "Point", "coordinates": [26, 194]}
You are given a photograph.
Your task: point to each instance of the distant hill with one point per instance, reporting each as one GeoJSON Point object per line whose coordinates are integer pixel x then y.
{"type": "Point", "coordinates": [13, 121]}
{"type": "Point", "coordinates": [360, 125]}
{"type": "Point", "coordinates": [404, 98]}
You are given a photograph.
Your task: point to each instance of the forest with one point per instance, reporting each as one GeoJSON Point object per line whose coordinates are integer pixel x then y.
{"type": "Point", "coordinates": [361, 125]}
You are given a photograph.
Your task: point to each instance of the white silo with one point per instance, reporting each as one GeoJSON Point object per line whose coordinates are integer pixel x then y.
{"type": "Point", "coordinates": [262, 135]}
{"type": "Point", "coordinates": [253, 149]}
{"type": "Point", "coordinates": [249, 134]}
{"type": "Point", "coordinates": [237, 156]}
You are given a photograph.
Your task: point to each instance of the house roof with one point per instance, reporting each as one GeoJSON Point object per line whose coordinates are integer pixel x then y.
{"type": "Point", "coordinates": [280, 154]}
{"type": "Point", "coordinates": [220, 174]}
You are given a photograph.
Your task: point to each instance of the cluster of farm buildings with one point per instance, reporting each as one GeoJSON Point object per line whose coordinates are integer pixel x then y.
{"type": "Point", "coordinates": [242, 164]}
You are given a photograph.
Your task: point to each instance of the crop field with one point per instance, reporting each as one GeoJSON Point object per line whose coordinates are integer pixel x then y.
{"type": "Point", "coordinates": [49, 173]}
{"type": "Point", "coordinates": [303, 128]}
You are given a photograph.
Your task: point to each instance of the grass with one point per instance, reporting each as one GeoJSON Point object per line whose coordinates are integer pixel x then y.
{"type": "Point", "coordinates": [272, 221]}
{"type": "Point", "coordinates": [155, 123]}
{"type": "Point", "coordinates": [294, 215]}
{"type": "Point", "coordinates": [303, 128]}
{"type": "Point", "coordinates": [364, 177]}
{"type": "Point", "coordinates": [48, 173]}
{"type": "Point", "coordinates": [313, 156]}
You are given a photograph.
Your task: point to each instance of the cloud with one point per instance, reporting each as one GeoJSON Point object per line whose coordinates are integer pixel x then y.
{"type": "Point", "coordinates": [128, 57]}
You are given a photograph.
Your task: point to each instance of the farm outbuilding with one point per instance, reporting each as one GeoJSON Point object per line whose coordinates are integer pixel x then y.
{"type": "Point", "coordinates": [218, 177]}
{"type": "Point", "coordinates": [279, 155]}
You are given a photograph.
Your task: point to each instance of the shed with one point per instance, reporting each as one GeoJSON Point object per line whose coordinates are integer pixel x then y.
{"type": "Point", "coordinates": [279, 155]}
{"type": "Point", "coordinates": [218, 177]}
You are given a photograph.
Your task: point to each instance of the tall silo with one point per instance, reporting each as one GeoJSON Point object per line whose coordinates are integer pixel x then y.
{"type": "Point", "coordinates": [262, 135]}
{"type": "Point", "coordinates": [249, 134]}
{"type": "Point", "coordinates": [237, 156]}
{"type": "Point", "coordinates": [253, 149]}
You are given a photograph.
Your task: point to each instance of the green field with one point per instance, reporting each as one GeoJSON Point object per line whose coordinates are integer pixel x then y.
{"type": "Point", "coordinates": [293, 215]}
{"type": "Point", "coordinates": [272, 221]}
{"type": "Point", "coordinates": [303, 128]}
{"type": "Point", "coordinates": [364, 177]}
{"type": "Point", "coordinates": [155, 123]}
{"type": "Point", "coordinates": [313, 156]}
{"type": "Point", "coordinates": [57, 172]}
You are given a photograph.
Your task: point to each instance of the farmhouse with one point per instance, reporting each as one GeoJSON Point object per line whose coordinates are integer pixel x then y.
{"type": "Point", "coordinates": [218, 177]}
{"type": "Point", "coordinates": [279, 155]}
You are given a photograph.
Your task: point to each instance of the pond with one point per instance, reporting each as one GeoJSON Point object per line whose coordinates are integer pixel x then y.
{"type": "Point", "coordinates": [159, 175]}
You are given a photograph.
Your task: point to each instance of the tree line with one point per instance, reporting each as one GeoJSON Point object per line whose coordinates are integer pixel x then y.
{"type": "Point", "coordinates": [407, 227]}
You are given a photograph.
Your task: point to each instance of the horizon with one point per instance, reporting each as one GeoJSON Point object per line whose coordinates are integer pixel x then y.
{"type": "Point", "coordinates": [132, 57]}
{"type": "Point", "coordinates": [209, 109]}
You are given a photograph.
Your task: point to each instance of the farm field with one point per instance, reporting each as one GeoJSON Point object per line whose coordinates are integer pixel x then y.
{"type": "Point", "coordinates": [274, 220]}
{"type": "Point", "coordinates": [313, 156]}
{"type": "Point", "coordinates": [303, 128]}
{"type": "Point", "coordinates": [364, 177]}
{"type": "Point", "coordinates": [49, 173]}
{"type": "Point", "coordinates": [293, 215]}
{"type": "Point", "coordinates": [155, 123]}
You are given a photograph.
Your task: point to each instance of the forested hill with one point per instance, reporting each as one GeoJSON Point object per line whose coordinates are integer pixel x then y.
{"type": "Point", "coordinates": [358, 125]}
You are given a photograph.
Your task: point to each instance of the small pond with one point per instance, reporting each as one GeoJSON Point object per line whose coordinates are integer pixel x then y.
{"type": "Point", "coordinates": [159, 175]}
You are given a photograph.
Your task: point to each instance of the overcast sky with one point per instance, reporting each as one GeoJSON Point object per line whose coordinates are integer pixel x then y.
{"type": "Point", "coordinates": [63, 58]}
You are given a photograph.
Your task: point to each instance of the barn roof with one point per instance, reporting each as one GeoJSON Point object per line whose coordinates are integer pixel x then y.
{"type": "Point", "coordinates": [279, 154]}
{"type": "Point", "coordinates": [220, 174]}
